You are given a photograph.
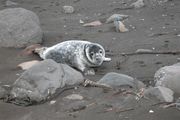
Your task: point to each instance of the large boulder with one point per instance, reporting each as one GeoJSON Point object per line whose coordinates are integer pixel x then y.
{"type": "Point", "coordinates": [41, 82]}
{"type": "Point", "coordinates": [19, 28]}
{"type": "Point", "coordinates": [169, 76]}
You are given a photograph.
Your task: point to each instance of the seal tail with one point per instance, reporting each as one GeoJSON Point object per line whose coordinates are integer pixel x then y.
{"type": "Point", "coordinates": [30, 49]}
{"type": "Point", "coordinates": [40, 51]}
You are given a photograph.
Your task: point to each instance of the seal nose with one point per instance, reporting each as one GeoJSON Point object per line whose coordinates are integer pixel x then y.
{"type": "Point", "coordinates": [98, 55]}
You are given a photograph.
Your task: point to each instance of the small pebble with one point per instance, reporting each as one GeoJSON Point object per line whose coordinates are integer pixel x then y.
{"type": "Point", "coordinates": [114, 16]}
{"type": "Point", "coordinates": [52, 102]}
{"type": "Point", "coordinates": [68, 9]}
{"type": "Point", "coordinates": [74, 97]}
{"type": "Point", "coordinates": [143, 51]}
{"type": "Point", "coordinates": [138, 4]}
{"type": "Point", "coordinates": [142, 19]}
{"type": "Point", "coordinates": [81, 21]}
{"type": "Point", "coordinates": [151, 111]}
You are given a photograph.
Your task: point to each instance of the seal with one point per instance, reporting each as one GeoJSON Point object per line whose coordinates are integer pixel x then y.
{"type": "Point", "coordinates": [83, 55]}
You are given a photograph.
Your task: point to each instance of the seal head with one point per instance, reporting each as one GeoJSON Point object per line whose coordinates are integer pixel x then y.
{"type": "Point", "coordinates": [95, 54]}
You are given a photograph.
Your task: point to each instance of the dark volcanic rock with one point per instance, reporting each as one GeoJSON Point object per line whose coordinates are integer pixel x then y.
{"type": "Point", "coordinates": [19, 28]}
{"type": "Point", "coordinates": [168, 76]}
{"type": "Point", "coordinates": [42, 81]}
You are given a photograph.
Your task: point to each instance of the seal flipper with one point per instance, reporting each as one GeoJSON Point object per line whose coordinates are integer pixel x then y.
{"type": "Point", "coordinates": [89, 71]}
{"type": "Point", "coordinates": [83, 68]}
{"type": "Point", "coordinates": [107, 59]}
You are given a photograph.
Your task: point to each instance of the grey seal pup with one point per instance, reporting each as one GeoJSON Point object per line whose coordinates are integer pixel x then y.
{"type": "Point", "coordinates": [83, 55]}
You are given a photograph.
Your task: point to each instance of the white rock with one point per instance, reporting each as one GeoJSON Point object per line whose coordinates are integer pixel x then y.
{"type": "Point", "coordinates": [151, 111]}
{"type": "Point", "coordinates": [138, 4]}
{"type": "Point", "coordinates": [93, 24]}
{"type": "Point", "coordinates": [28, 64]}
{"type": "Point", "coordinates": [169, 76]}
{"type": "Point", "coordinates": [52, 102]}
{"type": "Point", "coordinates": [74, 97]}
{"type": "Point", "coordinates": [114, 16]}
{"type": "Point", "coordinates": [143, 51]}
{"type": "Point", "coordinates": [81, 21]}
{"type": "Point", "coordinates": [68, 9]}
{"type": "Point", "coordinates": [19, 28]}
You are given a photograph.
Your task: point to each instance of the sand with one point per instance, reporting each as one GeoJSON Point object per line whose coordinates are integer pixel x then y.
{"type": "Point", "coordinates": [156, 28]}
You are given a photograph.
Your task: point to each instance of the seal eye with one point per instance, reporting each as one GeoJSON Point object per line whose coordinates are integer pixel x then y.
{"type": "Point", "coordinates": [100, 51]}
{"type": "Point", "coordinates": [91, 54]}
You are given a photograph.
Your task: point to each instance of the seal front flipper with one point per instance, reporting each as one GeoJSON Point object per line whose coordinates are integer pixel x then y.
{"type": "Point", "coordinates": [107, 59]}
{"type": "Point", "coordinates": [83, 68]}
{"type": "Point", "coordinates": [89, 71]}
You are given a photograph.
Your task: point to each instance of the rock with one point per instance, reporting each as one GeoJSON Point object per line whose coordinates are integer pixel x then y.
{"type": "Point", "coordinates": [120, 27]}
{"type": "Point", "coordinates": [161, 93]}
{"type": "Point", "coordinates": [93, 24]}
{"type": "Point", "coordinates": [19, 28]}
{"type": "Point", "coordinates": [138, 4]}
{"type": "Point", "coordinates": [72, 76]}
{"type": "Point", "coordinates": [114, 16]}
{"type": "Point", "coordinates": [10, 3]}
{"type": "Point", "coordinates": [74, 97]}
{"type": "Point", "coordinates": [168, 76]}
{"type": "Point", "coordinates": [143, 51]}
{"type": "Point", "coordinates": [28, 64]}
{"type": "Point", "coordinates": [81, 21]}
{"type": "Point", "coordinates": [151, 111]}
{"type": "Point", "coordinates": [41, 81]}
{"type": "Point", "coordinates": [52, 102]}
{"type": "Point", "coordinates": [120, 80]}
{"type": "Point", "coordinates": [68, 9]}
